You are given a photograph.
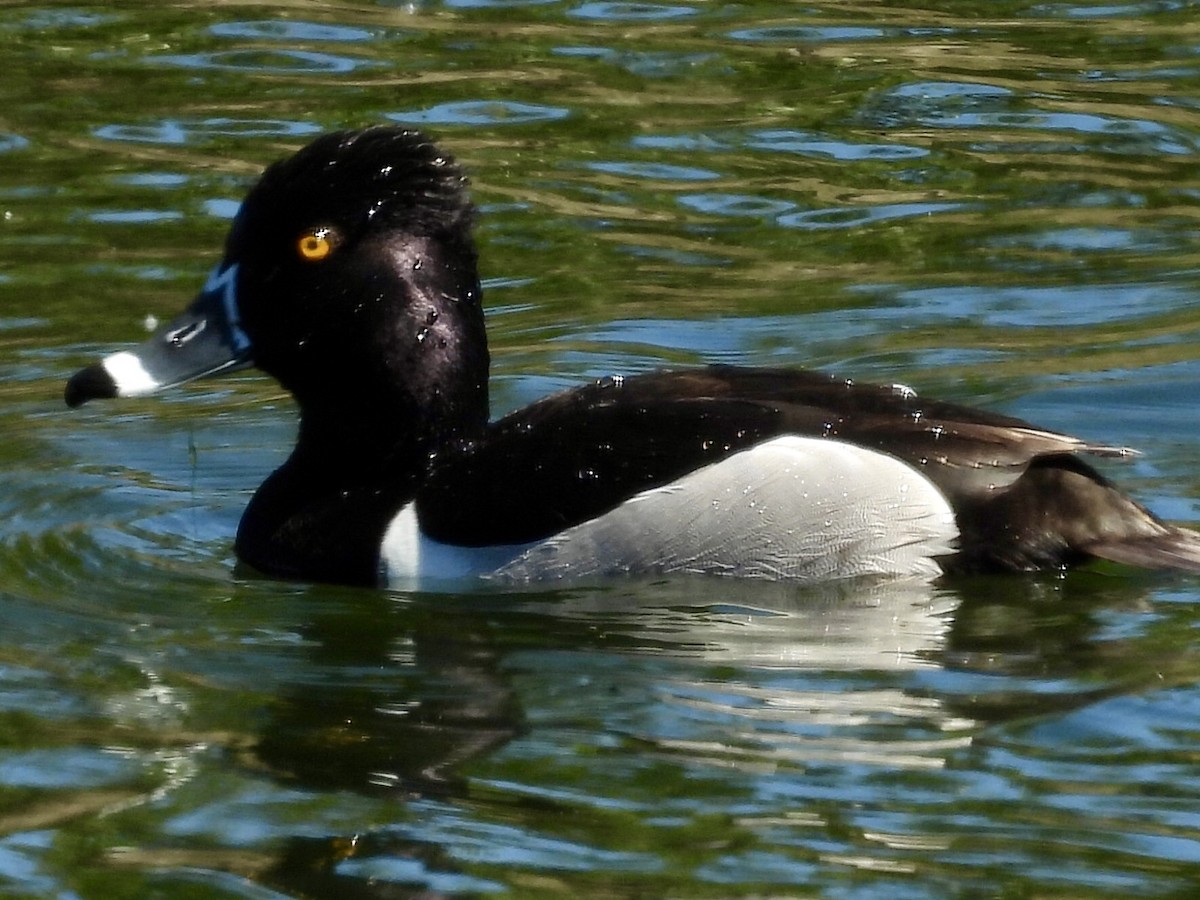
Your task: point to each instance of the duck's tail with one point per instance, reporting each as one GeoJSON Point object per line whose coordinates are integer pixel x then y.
{"type": "Point", "coordinates": [1175, 548]}
{"type": "Point", "coordinates": [1062, 511]}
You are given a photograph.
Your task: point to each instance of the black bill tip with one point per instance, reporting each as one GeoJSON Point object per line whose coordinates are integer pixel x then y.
{"type": "Point", "coordinates": [92, 383]}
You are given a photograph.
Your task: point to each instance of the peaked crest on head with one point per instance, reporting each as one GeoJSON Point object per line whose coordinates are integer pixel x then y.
{"type": "Point", "coordinates": [364, 177]}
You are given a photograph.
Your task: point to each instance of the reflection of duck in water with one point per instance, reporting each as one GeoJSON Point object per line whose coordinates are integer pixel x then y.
{"type": "Point", "coordinates": [405, 700]}
{"type": "Point", "coordinates": [408, 698]}
{"type": "Point", "coordinates": [350, 275]}
{"type": "Point", "coordinates": [517, 714]}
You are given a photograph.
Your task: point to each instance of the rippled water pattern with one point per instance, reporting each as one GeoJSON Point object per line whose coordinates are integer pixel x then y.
{"type": "Point", "coordinates": [995, 202]}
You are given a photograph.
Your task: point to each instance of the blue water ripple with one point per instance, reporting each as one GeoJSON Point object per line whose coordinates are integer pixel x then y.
{"type": "Point", "coordinates": [186, 131]}
{"type": "Point", "coordinates": [1168, 140]}
{"type": "Point", "coordinates": [409, 871]}
{"type": "Point", "coordinates": [1083, 240]}
{"type": "Point", "coordinates": [742, 205]}
{"type": "Point", "coordinates": [792, 34]}
{"type": "Point", "coordinates": [46, 19]}
{"type": "Point", "coordinates": [1124, 10]}
{"type": "Point", "coordinates": [74, 767]}
{"type": "Point", "coordinates": [10, 141]}
{"type": "Point", "coordinates": [947, 90]}
{"type": "Point", "coordinates": [298, 62]}
{"type": "Point", "coordinates": [495, 4]}
{"type": "Point", "coordinates": [647, 64]}
{"type": "Point", "coordinates": [481, 112]}
{"type": "Point", "coordinates": [135, 216]}
{"type": "Point", "coordinates": [609, 11]}
{"type": "Point", "coordinates": [908, 103]}
{"type": "Point", "coordinates": [809, 144]}
{"type": "Point", "coordinates": [853, 216]}
{"type": "Point", "coordinates": [153, 179]}
{"type": "Point", "coordinates": [1042, 307]}
{"type": "Point", "coordinates": [21, 865]}
{"type": "Point", "coordinates": [290, 30]}
{"type": "Point", "coordinates": [970, 106]}
{"type": "Point", "coordinates": [656, 171]}
{"type": "Point", "coordinates": [782, 140]}
{"type": "Point", "coordinates": [500, 843]}
{"type": "Point", "coordinates": [222, 208]}
{"type": "Point", "coordinates": [683, 142]}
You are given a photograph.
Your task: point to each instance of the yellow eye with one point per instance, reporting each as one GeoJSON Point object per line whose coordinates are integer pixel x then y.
{"type": "Point", "coordinates": [316, 245]}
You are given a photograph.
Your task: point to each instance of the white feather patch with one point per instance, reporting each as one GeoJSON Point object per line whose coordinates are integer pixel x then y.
{"type": "Point", "coordinates": [129, 375]}
{"type": "Point", "coordinates": [793, 508]}
{"type": "Point", "coordinates": [411, 560]}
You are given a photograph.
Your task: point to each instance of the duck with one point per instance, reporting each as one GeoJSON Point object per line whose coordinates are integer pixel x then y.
{"type": "Point", "coordinates": [350, 275]}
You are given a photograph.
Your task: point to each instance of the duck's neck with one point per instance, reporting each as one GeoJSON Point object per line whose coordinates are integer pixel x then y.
{"type": "Point", "coordinates": [320, 516]}
{"type": "Point", "coordinates": [383, 448]}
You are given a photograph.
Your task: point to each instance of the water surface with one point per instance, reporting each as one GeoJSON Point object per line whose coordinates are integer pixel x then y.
{"type": "Point", "coordinates": [995, 203]}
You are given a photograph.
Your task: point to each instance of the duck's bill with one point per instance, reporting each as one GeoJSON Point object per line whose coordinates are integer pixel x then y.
{"type": "Point", "coordinates": [205, 340]}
